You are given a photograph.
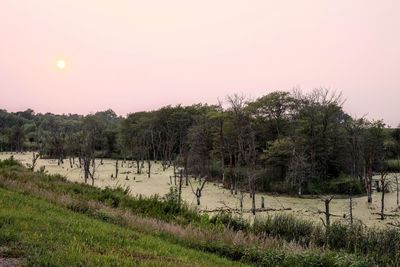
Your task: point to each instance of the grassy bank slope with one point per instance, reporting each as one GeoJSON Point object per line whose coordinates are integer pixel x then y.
{"type": "Point", "coordinates": [162, 219]}
{"type": "Point", "coordinates": [41, 233]}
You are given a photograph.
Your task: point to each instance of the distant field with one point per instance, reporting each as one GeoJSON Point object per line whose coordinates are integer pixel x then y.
{"type": "Point", "coordinates": [216, 197]}
{"type": "Point", "coordinates": [37, 233]}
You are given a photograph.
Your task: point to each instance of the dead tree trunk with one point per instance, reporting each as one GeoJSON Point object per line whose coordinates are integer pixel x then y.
{"type": "Point", "coordinates": [92, 173]}
{"type": "Point", "coordinates": [397, 181]}
{"type": "Point", "coordinates": [351, 207]}
{"type": "Point", "coordinates": [142, 165]}
{"type": "Point", "coordinates": [149, 167]}
{"type": "Point", "coordinates": [327, 212]}
{"type": "Point", "coordinates": [198, 191]}
{"type": "Point", "coordinates": [369, 193]}
{"type": "Point", "coordinates": [137, 166]}
{"type": "Point", "coordinates": [186, 173]}
{"type": "Point", "coordinates": [396, 178]}
{"type": "Point", "coordinates": [253, 203]}
{"type": "Point", "coordinates": [241, 201]}
{"type": "Point", "coordinates": [252, 185]}
{"type": "Point", "coordinates": [383, 202]}
{"type": "Point", "coordinates": [86, 168]}
{"type": "Point", "coordinates": [180, 188]}
{"type": "Point", "coordinates": [221, 140]}
{"type": "Point", "coordinates": [236, 187]}
{"type": "Point", "coordinates": [116, 169]}
{"type": "Point", "coordinates": [174, 176]}
{"type": "Point", "coordinates": [35, 157]}
{"type": "Point", "coordinates": [368, 181]}
{"type": "Point", "coordinates": [384, 185]}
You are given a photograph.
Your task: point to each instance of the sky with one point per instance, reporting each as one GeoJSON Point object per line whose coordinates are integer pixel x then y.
{"type": "Point", "coordinates": [140, 55]}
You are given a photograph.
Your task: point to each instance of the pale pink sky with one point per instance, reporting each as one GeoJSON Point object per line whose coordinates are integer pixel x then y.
{"type": "Point", "coordinates": [140, 55]}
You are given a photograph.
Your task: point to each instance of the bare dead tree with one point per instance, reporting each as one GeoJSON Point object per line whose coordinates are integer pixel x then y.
{"type": "Point", "coordinates": [396, 179]}
{"type": "Point", "coordinates": [262, 203]}
{"type": "Point", "coordinates": [241, 201]}
{"type": "Point", "coordinates": [92, 173]}
{"type": "Point", "coordinates": [149, 168]}
{"type": "Point", "coordinates": [245, 148]}
{"type": "Point", "coordinates": [368, 179]}
{"type": "Point", "coordinates": [221, 140]}
{"type": "Point", "coordinates": [88, 162]}
{"type": "Point", "coordinates": [186, 174]}
{"type": "Point", "coordinates": [35, 157]}
{"type": "Point", "coordinates": [298, 170]}
{"type": "Point", "coordinates": [384, 186]}
{"type": "Point", "coordinates": [86, 159]}
{"type": "Point", "coordinates": [138, 169]}
{"type": "Point", "coordinates": [198, 190]}
{"type": "Point", "coordinates": [354, 129]}
{"type": "Point", "coordinates": [116, 169]}
{"type": "Point", "coordinates": [252, 180]}
{"type": "Point", "coordinates": [180, 187]}
{"type": "Point", "coordinates": [175, 173]}
{"type": "Point", "coordinates": [327, 200]}
{"type": "Point", "coordinates": [351, 206]}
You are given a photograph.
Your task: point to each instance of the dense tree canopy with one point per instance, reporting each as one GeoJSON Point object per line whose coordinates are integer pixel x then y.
{"type": "Point", "coordinates": [287, 141]}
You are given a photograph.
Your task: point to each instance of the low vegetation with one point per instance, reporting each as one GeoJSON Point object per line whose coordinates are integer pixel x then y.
{"type": "Point", "coordinates": [272, 241]}
{"type": "Point", "coordinates": [38, 233]}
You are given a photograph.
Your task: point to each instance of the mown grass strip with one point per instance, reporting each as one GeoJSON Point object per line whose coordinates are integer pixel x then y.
{"type": "Point", "coordinates": [49, 235]}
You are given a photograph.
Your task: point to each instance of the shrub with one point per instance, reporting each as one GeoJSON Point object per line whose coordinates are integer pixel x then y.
{"type": "Point", "coordinates": [393, 165]}
{"type": "Point", "coordinates": [9, 162]}
{"type": "Point", "coordinates": [341, 185]}
{"type": "Point", "coordinates": [287, 227]}
{"type": "Point", "coordinates": [234, 223]}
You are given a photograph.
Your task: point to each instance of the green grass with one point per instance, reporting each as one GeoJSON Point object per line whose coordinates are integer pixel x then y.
{"type": "Point", "coordinates": [154, 218]}
{"type": "Point", "coordinates": [44, 234]}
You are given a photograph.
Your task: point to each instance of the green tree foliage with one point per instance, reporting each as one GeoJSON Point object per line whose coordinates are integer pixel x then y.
{"type": "Point", "coordinates": [294, 140]}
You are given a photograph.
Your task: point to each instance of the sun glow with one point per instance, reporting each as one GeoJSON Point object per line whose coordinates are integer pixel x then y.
{"type": "Point", "coordinates": [61, 64]}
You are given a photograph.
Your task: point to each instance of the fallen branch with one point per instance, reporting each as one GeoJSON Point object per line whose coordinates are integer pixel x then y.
{"type": "Point", "coordinates": [393, 224]}
{"type": "Point", "coordinates": [234, 210]}
{"type": "Point", "coordinates": [386, 214]}
{"type": "Point", "coordinates": [323, 212]}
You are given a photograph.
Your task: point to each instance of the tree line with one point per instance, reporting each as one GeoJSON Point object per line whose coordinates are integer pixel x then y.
{"type": "Point", "coordinates": [287, 142]}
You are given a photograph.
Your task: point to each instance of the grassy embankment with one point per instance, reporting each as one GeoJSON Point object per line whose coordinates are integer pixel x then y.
{"type": "Point", "coordinates": [41, 233]}
{"type": "Point", "coordinates": [94, 226]}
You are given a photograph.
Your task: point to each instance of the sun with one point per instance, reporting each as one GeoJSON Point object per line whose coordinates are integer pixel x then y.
{"type": "Point", "coordinates": [61, 64]}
